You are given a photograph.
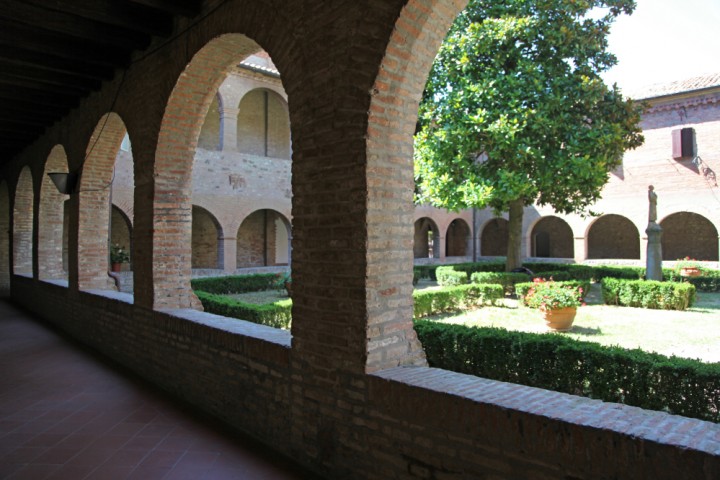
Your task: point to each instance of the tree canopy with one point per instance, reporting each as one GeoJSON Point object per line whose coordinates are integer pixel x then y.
{"type": "Point", "coordinates": [514, 110]}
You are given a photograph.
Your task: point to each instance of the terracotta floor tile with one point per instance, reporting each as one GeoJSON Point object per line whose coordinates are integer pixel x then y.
{"type": "Point", "coordinates": [67, 414]}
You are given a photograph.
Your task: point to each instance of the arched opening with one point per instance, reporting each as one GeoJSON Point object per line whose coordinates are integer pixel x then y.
{"type": "Point", "coordinates": [51, 220]}
{"type": "Point", "coordinates": [263, 240]}
{"type": "Point", "coordinates": [613, 236]}
{"type": "Point", "coordinates": [95, 196]}
{"type": "Point", "coordinates": [23, 224]}
{"type": "Point", "coordinates": [206, 233]}
{"type": "Point", "coordinates": [166, 280]}
{"type": "Point", "coordinates": [263, 124]}
{"type": "Point", "coordinates": [4, 240]}
{"type": "Point", "coordinates": [494, 238]}
{"type": "Point", "coordinates": [552, 237]}
{"type": "Point", "coordinates": [458, 239]}
{"type": "Point", "coordinates": [687, 234]}
{"type": "Point", "coordinates": [121, 234]}
{"type": "Point", "coordinates": [427, 239]}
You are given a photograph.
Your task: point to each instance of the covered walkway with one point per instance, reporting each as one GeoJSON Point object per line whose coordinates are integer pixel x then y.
{"type": "Point", "coordinates": [66, 413]}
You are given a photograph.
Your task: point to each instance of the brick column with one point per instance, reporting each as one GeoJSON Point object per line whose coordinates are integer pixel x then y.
{"type": "Point", "coordinates": [580, 249]}
{"type": "Point", "coordinates": [441, 248]}
{"type": "Point", "coordinates": [228, 128]}
{"type": "Point", "coordinates": [229, 249]}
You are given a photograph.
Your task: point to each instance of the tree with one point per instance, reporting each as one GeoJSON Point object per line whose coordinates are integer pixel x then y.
{"type": "Point", "coordinates": [514, 111]}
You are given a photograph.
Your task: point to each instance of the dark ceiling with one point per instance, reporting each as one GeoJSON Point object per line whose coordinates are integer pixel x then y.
{"type": "Point", "coordinates": [55, 52]}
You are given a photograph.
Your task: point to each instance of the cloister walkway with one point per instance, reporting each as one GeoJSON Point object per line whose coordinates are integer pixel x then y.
{"type": "Point", "coordinates": [67, 413]}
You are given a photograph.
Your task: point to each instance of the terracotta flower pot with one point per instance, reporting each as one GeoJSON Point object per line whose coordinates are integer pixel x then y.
{"type": "Point", "coordinates": [559, 319]}
{"type": "Point", "coordinates": [115, 267]}
{"type": "Point", "coordinates": [689, 272]}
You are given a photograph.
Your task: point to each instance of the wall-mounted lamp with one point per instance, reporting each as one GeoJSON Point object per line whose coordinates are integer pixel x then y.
{"type": "Point", "coordinates": [65, 182]}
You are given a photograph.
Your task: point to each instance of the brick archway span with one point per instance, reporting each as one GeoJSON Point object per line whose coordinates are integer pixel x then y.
{"type": "Point", "coordinates": [166, 228]}
{"type": "Point", "coordinates": [417, 35]}
{"type": "Point", "coordinates": [551, 237]}
{"type": "Point", "coordinates": [4, 239]}
{"type": "Point", "coordinates": [613, 236]}
{"type": "Point", "coordinates": [494, 237]}
{"type": "Point", "coordinates": [22, 221]}
{"type": "Point", "coordinates": [51, 219]}
{"type": "Point", "coordinates": [687, 234]}
{"type": "Point", "coordinates": [421, 248]}
{"type": "Point", "coordinates": [206, 234]}
{"type": "Point", "coordinates": [91, 261]}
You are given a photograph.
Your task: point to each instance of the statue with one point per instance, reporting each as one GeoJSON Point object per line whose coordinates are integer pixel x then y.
{"type": "Point", "coordinates": [653, 269]}
{"type": "Point", "coordinates": [652, 197]}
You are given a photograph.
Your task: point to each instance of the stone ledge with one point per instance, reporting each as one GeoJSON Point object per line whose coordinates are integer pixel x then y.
{"type": "Point", "coordinates": [647, 425]}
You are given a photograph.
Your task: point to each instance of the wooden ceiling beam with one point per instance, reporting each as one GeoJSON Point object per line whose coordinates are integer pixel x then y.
{"type": "Point", "coordinates": [47, 19]}
{"type": "Point", "coordinates": [111, 12]}
{"type": "Point", "coordinates": [49, 78]}
{"type": "Point", "coordinates": [62, 46]}
{"type": "Point", "coordinates": [184, 8]}
{"type": "Point", "coordinates": [51, 63]}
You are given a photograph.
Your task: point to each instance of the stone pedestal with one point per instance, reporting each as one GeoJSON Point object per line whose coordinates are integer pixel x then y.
{"type": "Point", "coordinates": [654, 252]}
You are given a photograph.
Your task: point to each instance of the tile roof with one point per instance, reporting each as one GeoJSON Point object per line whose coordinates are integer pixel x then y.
{"type": "Point", "coordinates": [676, 87]}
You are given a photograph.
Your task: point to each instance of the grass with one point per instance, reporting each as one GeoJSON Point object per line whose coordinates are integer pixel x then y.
{"type": "Point", "coordinates": [694, 333]}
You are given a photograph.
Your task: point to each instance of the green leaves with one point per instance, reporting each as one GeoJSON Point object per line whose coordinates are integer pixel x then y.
{"type": "Point", "coordinates": [514, 102]}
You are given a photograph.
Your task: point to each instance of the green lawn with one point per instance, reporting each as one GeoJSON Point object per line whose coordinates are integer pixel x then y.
{"type": "Point", "coordinates": [694, 333]}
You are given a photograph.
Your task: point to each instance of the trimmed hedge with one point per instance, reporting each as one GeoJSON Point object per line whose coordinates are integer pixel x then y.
{"type": "Point", "coordinates": [277, 314]}
{"type": "Point", "coordinates": [453, 299]}
{"type": "Point", "coordinates": [648, 294]}
{"type": "Point", "coordinates": [554, 362]}
{"type": "Point", "coordinates": [507, 280]}
{"type": "Point", "coordinates": [236, 283]}
{"type": "Point", "coordinates": [448, 276]}
{"type": "Point", "coordinates": [708, 281]}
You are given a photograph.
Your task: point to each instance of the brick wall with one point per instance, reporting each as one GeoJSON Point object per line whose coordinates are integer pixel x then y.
{"type": "Point", "coordinates": [613, 236]}
{"type": "Point", "coordinates": [22, 221]}
{"type": "Point", "coordinates": [494, 238]}
{"type": "Point", "coordinates": [687, 234]}
{"type": "Point", "coordinates": [347, 393]}
{"type": "Point", "coordinates": [205, 236]}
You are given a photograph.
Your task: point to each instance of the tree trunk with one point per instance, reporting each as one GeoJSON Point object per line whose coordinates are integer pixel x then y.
{"type": "Point", "coordinates": [514, 257]}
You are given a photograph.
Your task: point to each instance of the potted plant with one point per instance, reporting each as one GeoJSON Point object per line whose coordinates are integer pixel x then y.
{"type": "Point", "coordinates": [118, 256]}
{"type": "Point", "coordinates": [688, 267]}
{"type": "Point", "coordinates": [558, 302]}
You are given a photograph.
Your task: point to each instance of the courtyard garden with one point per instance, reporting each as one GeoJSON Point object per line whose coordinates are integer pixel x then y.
{"type": "Point", "coordinates": [662, 353]}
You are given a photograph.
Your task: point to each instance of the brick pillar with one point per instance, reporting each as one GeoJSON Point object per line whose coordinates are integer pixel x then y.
{"type": "Point", "coordinates": [228, 129]}
{"type": "Point", "coordinates": [229, 249]}
{"type": "Point", "coordinates": [442, 246]}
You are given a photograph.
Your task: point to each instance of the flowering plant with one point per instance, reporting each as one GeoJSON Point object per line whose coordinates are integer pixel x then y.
{"type": "Point", "coordinates": [118, 254]}
{"type": "Point", "coordinates": [550, 295]}
{"type": "Point", "coordinates": [687, 262]}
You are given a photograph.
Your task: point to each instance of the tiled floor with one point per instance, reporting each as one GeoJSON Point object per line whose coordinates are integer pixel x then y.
{"type": "Point", "coordinates": [65, 413]}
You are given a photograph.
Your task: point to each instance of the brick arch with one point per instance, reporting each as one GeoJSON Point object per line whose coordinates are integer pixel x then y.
{"type": "Point", "coordinates": [166, 281]}
{"type": "Point", "coordinates": [263, 124]}
{"type": "Point", "coordinates": [23, 209]}
{"type": "Point", "coordinates": [211, 131]}
{"type": "Point", "coordinates": [94, 214]}
{"type": "Point", "coordinates": [259, 238]}
{"type": "Point", "coordinates": [687, 234]}
{"type": "Point", "coordinates": [494, 238]}
{"type": "Point", "coordinates": [425, 244]}
{"type": "Point", "coordinates": [613, 236]}
{"type": "Point", "coordinates": [395, 95]}
{"type": "Point", "coordinates": [552, 237]}
{"type": "Point", "coordinates": [458, 239]}
{"type": "Point", "coordinates": [4, 239]}
{"type": "Point", "coordinates": [51, 219]}
{"type": "Point", "coordinates": [206, 234]}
